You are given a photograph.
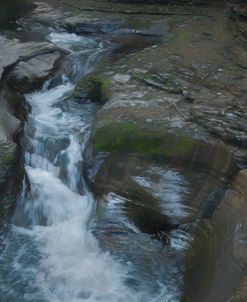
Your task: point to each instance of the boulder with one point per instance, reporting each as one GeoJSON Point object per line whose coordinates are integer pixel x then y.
{"type": "Point", "coordinates": [23, 68]}
{"type": "Point", "coordinates": [216, 257]}
{"type": "Point", "coordinates": [14, 51]}
{"type": "Point", "coordinates": [94, 87]}
{"type": "Point", "coordinates": [158, 197]}
{"type": "Point", "coordinates": [30, 74]}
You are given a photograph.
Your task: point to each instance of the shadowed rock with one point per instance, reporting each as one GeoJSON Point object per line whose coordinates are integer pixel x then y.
{"type": "Point", "coordinates": [23, 68]}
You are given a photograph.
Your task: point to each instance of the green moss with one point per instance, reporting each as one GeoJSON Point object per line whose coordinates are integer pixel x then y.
{"type": "Point", "coordinates": [135, 58]}
{"type": "Point", "coordinates": [178, 40]}
{"type": "Point", "coordinates": [130, 138]}
{"type": "Point", "coordinates": [105, 88]}
{"type": "Point", "coordinates": [95, 86]}
{"type": "Point", "coordinates": [5, 158]}
{"type": "Point", "coordinates": [183, 36]}
{"type": "Point", "coordinates": [103, 63]}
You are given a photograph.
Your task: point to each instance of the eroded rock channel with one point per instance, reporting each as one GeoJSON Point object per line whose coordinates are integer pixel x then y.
{"type": "Point", "coordinates": [123, 137]}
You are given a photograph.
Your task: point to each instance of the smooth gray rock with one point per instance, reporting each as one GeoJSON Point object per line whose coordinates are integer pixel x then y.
{"type": "Point", "coordinates": [13, 51]}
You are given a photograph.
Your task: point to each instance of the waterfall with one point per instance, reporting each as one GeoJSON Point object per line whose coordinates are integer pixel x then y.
{"type": "Point", "coordinates": [61, 259]}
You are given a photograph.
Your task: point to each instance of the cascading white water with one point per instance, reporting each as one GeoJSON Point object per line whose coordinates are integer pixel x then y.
{"type": "Point", "coordinates": [49, 254]}
{"type": "Point", "coordinates": [64, 262]}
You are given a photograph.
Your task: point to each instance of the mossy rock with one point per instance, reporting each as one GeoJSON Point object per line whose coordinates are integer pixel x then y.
{"type": "Point", "coordinates": [128, 137]}
{"type": "Point", "coordinates": [5, 158]}
{"type": "Point", "coordinates": [96, 87]}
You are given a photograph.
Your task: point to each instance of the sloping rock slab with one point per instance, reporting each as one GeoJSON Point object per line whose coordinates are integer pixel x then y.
{"type": "Point", "coordinates": [13, 51]}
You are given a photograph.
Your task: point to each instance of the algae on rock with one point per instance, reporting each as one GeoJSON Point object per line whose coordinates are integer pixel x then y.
{"type": "Point", "coordinates": [95, 86]}
{"type": "Point", "coordinates": [128, 137]}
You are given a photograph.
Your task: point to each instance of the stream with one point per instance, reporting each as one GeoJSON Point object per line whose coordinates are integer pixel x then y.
{"type": "Point", "coordinates": [48, 253]}
{"type": "Point", "coordinates": [109, 190]}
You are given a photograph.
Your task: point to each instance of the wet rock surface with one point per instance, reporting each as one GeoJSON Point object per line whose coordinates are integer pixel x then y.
{"type": "Point", "coordinates": [12, 10]}
{"type": "Point", "coordinates": [176, 107]}
{"type": "Point", "coordinates": [169, 143]}
{"type": "Point", "coordinates": [238, 11]}
{"type": "Point", "coordinates": [205, 96]}
{"type": "Point", "coordinates": [216, 279]}
{"type": "Point", "coordinates": [176, 194]}
{"type": "Point", "coordinates": [24, 66]}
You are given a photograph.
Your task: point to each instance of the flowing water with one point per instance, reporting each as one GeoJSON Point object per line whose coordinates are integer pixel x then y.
{"type": "Point", "coordinates": [158, 231]}
{"type": "Point", "coordinates": [48, 253]}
